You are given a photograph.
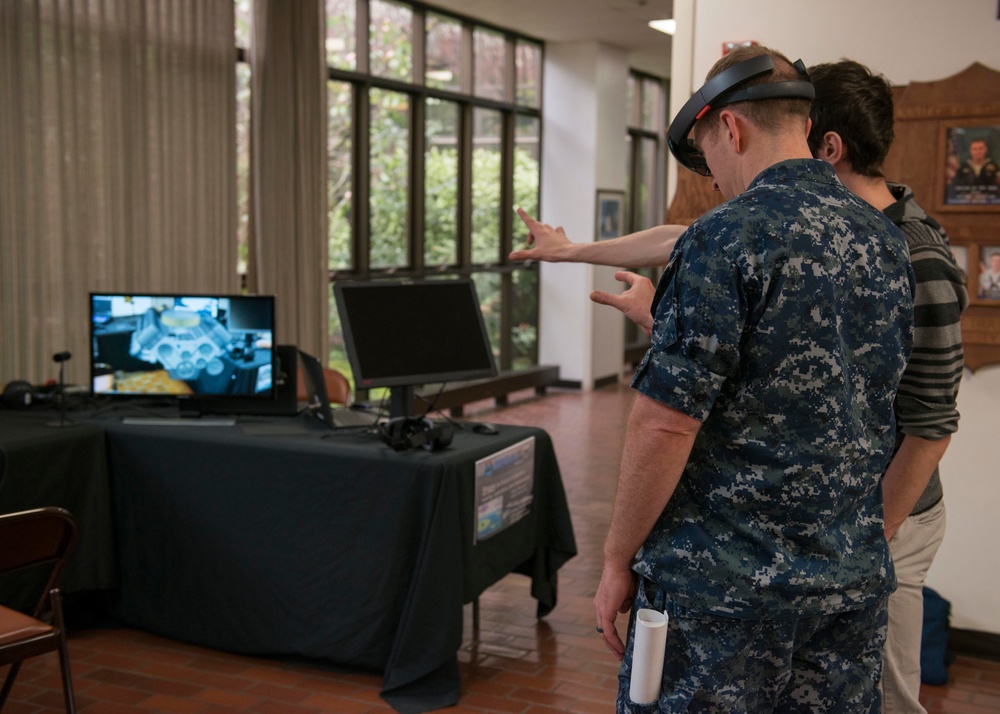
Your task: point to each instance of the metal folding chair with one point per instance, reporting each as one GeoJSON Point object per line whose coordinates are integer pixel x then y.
{"type": "Point", "coordinates": [41, 538]}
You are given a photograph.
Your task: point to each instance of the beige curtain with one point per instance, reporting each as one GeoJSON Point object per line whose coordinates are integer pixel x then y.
{"type": "Point", "coordinates": [288, 249]}
{"type": "Point", "coordinates": [117, 164]}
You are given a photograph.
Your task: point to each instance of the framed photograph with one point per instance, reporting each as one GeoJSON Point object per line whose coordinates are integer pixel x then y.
{"type": "Point", "coordinates": [610, 214]}
{"type": "Point", "coordinates": [988, 287]}
{"type": "Point", "coordinates": [970, 168]}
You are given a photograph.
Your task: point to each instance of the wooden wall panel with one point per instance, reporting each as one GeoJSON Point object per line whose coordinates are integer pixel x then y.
{"type": "Point", "coordinates": [924, 113]}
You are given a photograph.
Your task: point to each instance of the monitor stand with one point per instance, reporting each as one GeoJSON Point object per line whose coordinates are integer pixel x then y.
{"type": "Point", "coordinates": [400, 401]}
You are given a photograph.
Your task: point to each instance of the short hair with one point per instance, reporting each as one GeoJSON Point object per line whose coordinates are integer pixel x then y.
{"type": "Point", "coordinates": [764, 113]}
{"type": "Point", "coordinates": [857, 104]}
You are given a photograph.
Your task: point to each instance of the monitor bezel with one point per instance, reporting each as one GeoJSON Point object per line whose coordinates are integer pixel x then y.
{"type": "Point", "coordinates": [206, 398]}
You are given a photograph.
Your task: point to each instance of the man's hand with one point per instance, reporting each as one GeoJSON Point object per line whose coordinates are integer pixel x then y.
{"type": "Point", "coordinates": [614, 595]}
{"type": "Point", "coordinates": [635, 302]}
{"type": "Point", "coordinates": [550, 243]}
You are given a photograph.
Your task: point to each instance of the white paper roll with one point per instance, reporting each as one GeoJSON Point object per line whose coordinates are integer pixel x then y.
{"type": "Point", "coordinates": [648, 644]}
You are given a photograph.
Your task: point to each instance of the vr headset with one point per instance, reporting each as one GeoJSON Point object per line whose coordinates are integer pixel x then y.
{"type": "Point", "coordinates": [722, 89]}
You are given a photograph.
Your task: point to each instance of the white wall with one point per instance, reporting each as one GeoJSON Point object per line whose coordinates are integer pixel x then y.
{"type": "Point", "coordinates": [907, 41]}
{"type": "Point", "coordinates": [584, 150]}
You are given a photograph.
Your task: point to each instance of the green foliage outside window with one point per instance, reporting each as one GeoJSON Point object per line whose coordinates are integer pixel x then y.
{"type": "Point", "coordinates": [441, 184]}
{"type": "Point", "coordinates": [389, 205]}
{"type": "Point", "coordinates": [339, 174]}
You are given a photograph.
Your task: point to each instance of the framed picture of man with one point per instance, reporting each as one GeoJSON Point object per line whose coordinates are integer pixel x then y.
{"type": "Point", "coordinates": [989, 273]}
{"type": "Point", "coordinates": [971, 167]}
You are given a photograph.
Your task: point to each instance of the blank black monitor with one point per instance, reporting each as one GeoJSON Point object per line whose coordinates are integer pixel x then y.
{"type": "Point", "coordinates": [405, 334]}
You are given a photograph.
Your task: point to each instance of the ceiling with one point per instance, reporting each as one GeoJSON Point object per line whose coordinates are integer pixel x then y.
{"type": "Point", "coordinates": [621, 23]}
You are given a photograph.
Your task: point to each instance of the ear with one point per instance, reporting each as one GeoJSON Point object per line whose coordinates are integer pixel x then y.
{"type": "Point", "coordinates": [732, 126]}
{"type": "Point", "coordinates": [831, 148]}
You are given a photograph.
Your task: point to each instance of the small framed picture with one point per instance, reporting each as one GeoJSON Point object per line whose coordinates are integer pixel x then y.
{"type": "Point", "coordinates": [970, 170]}
{"type": "Point", "coordinates": [989, 273]}
{"type": "Point", "coordinates": [610, 213]}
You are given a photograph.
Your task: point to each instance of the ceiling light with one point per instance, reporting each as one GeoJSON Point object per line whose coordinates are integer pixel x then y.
{"type": "Point", "coordinates": [667, 26]}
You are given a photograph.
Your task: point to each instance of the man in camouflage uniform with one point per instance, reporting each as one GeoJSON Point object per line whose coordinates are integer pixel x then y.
{"type": "Point", "coordinates": [748, 506]}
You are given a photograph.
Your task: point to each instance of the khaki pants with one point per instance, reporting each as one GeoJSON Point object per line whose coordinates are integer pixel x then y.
{"type": "Point", "coordinates": [913, 549]}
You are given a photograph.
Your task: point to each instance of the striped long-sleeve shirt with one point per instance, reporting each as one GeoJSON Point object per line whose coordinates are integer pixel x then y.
{"type": "Point", "coordinates": [926, 403]}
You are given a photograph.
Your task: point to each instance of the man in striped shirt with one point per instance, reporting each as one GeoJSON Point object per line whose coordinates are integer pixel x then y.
{"type": "Point", "coordinates": [853, 129]}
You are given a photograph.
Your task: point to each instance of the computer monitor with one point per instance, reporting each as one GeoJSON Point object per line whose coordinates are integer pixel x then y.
{"type": "Point", "coordinates": [196, 348]}
{"type": "Point", "coordinates": [403, 334]}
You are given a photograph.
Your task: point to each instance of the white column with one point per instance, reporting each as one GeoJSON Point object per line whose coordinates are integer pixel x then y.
{"type": "Point", "coordinates": [584, 150]}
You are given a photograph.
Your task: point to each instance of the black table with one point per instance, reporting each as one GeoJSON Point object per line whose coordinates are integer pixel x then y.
{"type": "Point", "coordinates": [43, 465]}
{"type": "Point", "coordinates": [322, 545]}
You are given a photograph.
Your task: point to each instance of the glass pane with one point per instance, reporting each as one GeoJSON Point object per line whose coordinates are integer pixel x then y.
{"type": "Point", "coordinates": [341, 50]}
{"type": "Point", "coordinates": [441, 184]}
{"type": "Point", "coordinates": [647, 185]}
{"type": "Point", "coordinates": [491, 303]}
{"type": "Point", "coordinates": [390, 51]}
{"type": "Point", "coordinates": [444, 53]}
{"type": "Point", "coordinates": [528, 60]}
{"type": "Point", "coordinates": [486, 157]}
{"type": "Point", "coordinates": [651, 103]}
{"type": "Point", "coordinates": [339, 148]}
{"type": "Point", "coordinates": [527, 172]}
{"type": "Point", "coordinates": [524, 318]}
{"type": "Point", "coordinates": [631, 100]}
{"type": "Point", "coordinates": [490, 50]}
{"type": "Point", "coordinates": [242, 163]}
{"type": "Point", "coordinates": [243, 15]}
{"type": "Point", "coordinates": [389, 135]}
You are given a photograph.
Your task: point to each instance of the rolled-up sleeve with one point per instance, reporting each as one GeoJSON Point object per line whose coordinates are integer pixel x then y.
{"type": "Point", "coordinates": [699, 313]}
{"type": "Point", "coordinates": [927, 402]}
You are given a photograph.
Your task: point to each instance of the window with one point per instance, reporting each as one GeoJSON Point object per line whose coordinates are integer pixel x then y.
{"type": "Point", "coordinates": [390, 43]}
{"type": "Point", "coordinates": [389, 173]}
{"type": "Point", "coordinates": [340, 176]}
{"type": "Point", "coordinates": [443, 65]}
{"type": "Point", "coordinates": [434, 128]}
{"type": "Point", "coordinates": [644, 188]}
{"type": "Point", "coordinates": [441, 179]}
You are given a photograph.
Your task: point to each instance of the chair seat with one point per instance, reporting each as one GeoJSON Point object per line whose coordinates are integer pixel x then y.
{"type": "Point", "coordinates": [15, 626]}
{"type": "Point", "coordinates": [32, 539]}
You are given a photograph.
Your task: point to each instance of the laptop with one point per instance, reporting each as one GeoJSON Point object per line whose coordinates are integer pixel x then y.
{"type": "Point", "coordinates": [318, 402]}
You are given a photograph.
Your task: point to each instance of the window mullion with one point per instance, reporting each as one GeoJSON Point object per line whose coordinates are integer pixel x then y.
{"type": "Point", "coordinates": [362, 16]}
{"type": "Point", "coordinates": [361, 133]}
{"type": "Point", "coordinates": [465, 188]}
{"type": "Point", "coordinates": [416, 200]}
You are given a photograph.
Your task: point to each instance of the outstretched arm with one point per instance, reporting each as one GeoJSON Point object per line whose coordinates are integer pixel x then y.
{"type": "Point", "coordinates": [635, 303]}
{"type": "Point", "coordinates": [643, 249]}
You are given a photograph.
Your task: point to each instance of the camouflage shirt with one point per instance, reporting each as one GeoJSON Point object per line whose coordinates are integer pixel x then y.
{"type": "Point", "coordinates": [782, 322]}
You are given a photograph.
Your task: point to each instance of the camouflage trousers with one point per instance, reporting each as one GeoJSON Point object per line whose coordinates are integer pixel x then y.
{"type": "Point", "coordinates": [722, 665]}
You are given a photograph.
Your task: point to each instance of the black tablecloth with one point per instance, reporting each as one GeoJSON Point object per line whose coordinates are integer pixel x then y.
{"type": "Point", "coordinates": [323, 545]}
{"type": "Point", "coordinates": [43, 465]}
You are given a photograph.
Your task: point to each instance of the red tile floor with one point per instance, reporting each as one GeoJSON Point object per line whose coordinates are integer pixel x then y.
{"type": "Point", "coordinates": [514, 663]}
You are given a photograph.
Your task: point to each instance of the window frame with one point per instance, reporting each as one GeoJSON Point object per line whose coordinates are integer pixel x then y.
{"type": "Point", "coordinates": [417, 91]}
